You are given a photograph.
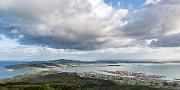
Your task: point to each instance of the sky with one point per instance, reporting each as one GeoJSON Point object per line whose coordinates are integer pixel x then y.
{"type": "Point", "coordinates": [89, 29]}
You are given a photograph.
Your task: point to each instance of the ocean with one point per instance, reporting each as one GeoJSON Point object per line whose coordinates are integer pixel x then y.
{"type": "Point", "coordinates": [7, 73]}
{"type": "Point", "coordinates": [170, 70]}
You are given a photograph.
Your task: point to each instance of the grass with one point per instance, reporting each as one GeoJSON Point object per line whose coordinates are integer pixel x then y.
{"type": "Point", "coordinates": [65, 81]}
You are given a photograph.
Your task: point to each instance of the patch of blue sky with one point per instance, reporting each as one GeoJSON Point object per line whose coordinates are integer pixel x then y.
{"type": "Point", "coordinates": [127, 4]}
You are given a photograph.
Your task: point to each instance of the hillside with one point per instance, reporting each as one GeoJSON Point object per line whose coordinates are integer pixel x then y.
{"type": "Point", "coordinates": [64, 81]}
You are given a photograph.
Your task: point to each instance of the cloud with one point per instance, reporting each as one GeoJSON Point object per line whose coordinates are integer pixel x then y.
{"type": "Point", "coordinates": [77, 24]}
{"type": "Point", "coordinates": [90, 24]}
{"type": "Point", "coordinates": [10, 49]}
{"type": "Point", "coordinates": [167, 41]}
{"type": "Point", "coordinates": [0, 38]}
{"type": "Point", "coordinates": [151, 2]}
{"type": "Point", "coordinates": [159, 22]}
{"type": "Point", "coordinates": [24, 52]}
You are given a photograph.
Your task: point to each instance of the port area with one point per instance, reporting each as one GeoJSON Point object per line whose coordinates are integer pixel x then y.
{"type": "Point", "coordinates": [133, 78]}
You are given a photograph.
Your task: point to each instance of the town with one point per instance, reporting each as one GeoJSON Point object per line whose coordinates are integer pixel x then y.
{"type": "Point", "coordinates": [133, 78]}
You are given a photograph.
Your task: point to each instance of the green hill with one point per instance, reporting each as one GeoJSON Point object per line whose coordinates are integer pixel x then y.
{"type": "Point", "coordinates": [64, 81]}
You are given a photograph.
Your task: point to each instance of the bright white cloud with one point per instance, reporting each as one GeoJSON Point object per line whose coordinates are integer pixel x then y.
{"type": "Point", "coordinates": [159, 22]}
{"type": "Point", "coordinates": [7, 43]}
{"type": "Point", "coordinates": [77, 24]}
{"type": "Point", "coordinates": [151, 2]}
{"type": "Point", "coordinates": [46, 30]}
{"type": "Point", "coordinates": [22, 52]}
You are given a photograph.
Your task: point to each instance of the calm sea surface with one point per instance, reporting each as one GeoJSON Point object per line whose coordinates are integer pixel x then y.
{"type": "Point", "coordinates": [6, 73]}
{"type": "Point", "coordinates": [170, 70]}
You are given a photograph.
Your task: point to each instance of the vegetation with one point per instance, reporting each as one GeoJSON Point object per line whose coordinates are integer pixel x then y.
{"type": "Point", "coordinates": [64, 81]}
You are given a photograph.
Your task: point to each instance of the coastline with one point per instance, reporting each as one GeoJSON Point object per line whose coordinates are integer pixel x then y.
{"type": "Point", "coordinates": [122, 76]}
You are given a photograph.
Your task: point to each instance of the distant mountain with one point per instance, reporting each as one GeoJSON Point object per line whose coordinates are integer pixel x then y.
{"type": "Point", "coordinates": [43, 64]}
{"type": "Point", "coordinates": [65, 61]}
